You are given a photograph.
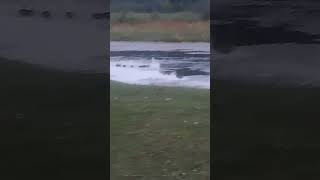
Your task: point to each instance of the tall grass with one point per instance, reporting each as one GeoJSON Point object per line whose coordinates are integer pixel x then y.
{"type": "Point", "coordinates": [170, 27]}
{"type": "Point", "coordinates": [175, 31]}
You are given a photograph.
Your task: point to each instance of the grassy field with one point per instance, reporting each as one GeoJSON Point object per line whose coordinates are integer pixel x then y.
{"type": "Point", "coordinates": [175, 27]}
{"type": "Point", "coordinates": [159, 132]}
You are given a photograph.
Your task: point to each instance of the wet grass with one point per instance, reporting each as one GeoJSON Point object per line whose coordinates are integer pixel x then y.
{"type": "Point", "coordinates": [159, 132]}
{"type": "Point", "coordinates": [160, 27]}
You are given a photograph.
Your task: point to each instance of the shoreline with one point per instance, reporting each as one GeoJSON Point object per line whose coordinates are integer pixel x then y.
{"type": "Point", "coordinates": [160, 86]}
{"type": "Point", "coordinates": [155, 42]}
{"type": "Point", "coordinates": [155, 45]}
{"type": "Point", "coordinates": [142, 41]}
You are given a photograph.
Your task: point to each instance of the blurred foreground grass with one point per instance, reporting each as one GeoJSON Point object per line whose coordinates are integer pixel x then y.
{"type": "Point", "coordinates": [159, 132]}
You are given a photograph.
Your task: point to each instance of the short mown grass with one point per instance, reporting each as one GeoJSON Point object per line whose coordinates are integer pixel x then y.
{"type": "Point", "coordinates": [159, 132]}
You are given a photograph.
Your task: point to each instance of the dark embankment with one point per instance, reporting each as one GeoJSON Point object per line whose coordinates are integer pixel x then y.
{"type": "Point", "coordinates": [266, 93]}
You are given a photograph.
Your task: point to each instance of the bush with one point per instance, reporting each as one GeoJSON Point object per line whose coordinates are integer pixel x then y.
{"type": "Point", "coordinates": [132, 17]}
{"type": "Point", "coordinates": [123, 17]}
{"type": "Point", "coordinates": [155, 16]}
{"type": "Point", "coordinates": [205, 15]}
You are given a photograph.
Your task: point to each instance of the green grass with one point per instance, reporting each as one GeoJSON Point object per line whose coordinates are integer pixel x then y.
{"type": "Point", "coordinates": [159, 132]}
{"type": "Point", "coordinates": [132, 17]}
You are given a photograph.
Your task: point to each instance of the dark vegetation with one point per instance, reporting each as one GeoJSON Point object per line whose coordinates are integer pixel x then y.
{"type": "Point", "coordinates": [162, 6]}
{"type": "Point", "coordinates": [69, 14]}
{"type": "Point", "coordinates": [46, 14]}
{"type": "Point", "coordinates": [105, 15]}
{"type": "Point", "coordinates": [26, 12]}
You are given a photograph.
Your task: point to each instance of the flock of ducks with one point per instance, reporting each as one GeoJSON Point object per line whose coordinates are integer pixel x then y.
{"type": "Point", "coordinates": [69, 14]}
{"type": "Point", "coordinates": [153, 65]}
{"type": "Point", "coordinates": [132, 66]}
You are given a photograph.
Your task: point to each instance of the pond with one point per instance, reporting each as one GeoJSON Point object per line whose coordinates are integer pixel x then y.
{"type": "Point", "coordinates": [161, 64]}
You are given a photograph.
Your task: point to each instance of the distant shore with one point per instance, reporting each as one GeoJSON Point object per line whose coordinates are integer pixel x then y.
{"type": "Point", "coordinates": [177, 27]}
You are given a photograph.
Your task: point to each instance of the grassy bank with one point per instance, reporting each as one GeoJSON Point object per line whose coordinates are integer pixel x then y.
{"type": "Point", "coordinates": [159, 133]}
{"type": "Point", "coordinates": [170, 27]}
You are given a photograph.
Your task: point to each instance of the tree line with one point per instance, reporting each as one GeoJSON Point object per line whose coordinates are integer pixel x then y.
{"type": "Point", "coordinates": [162, 6]}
